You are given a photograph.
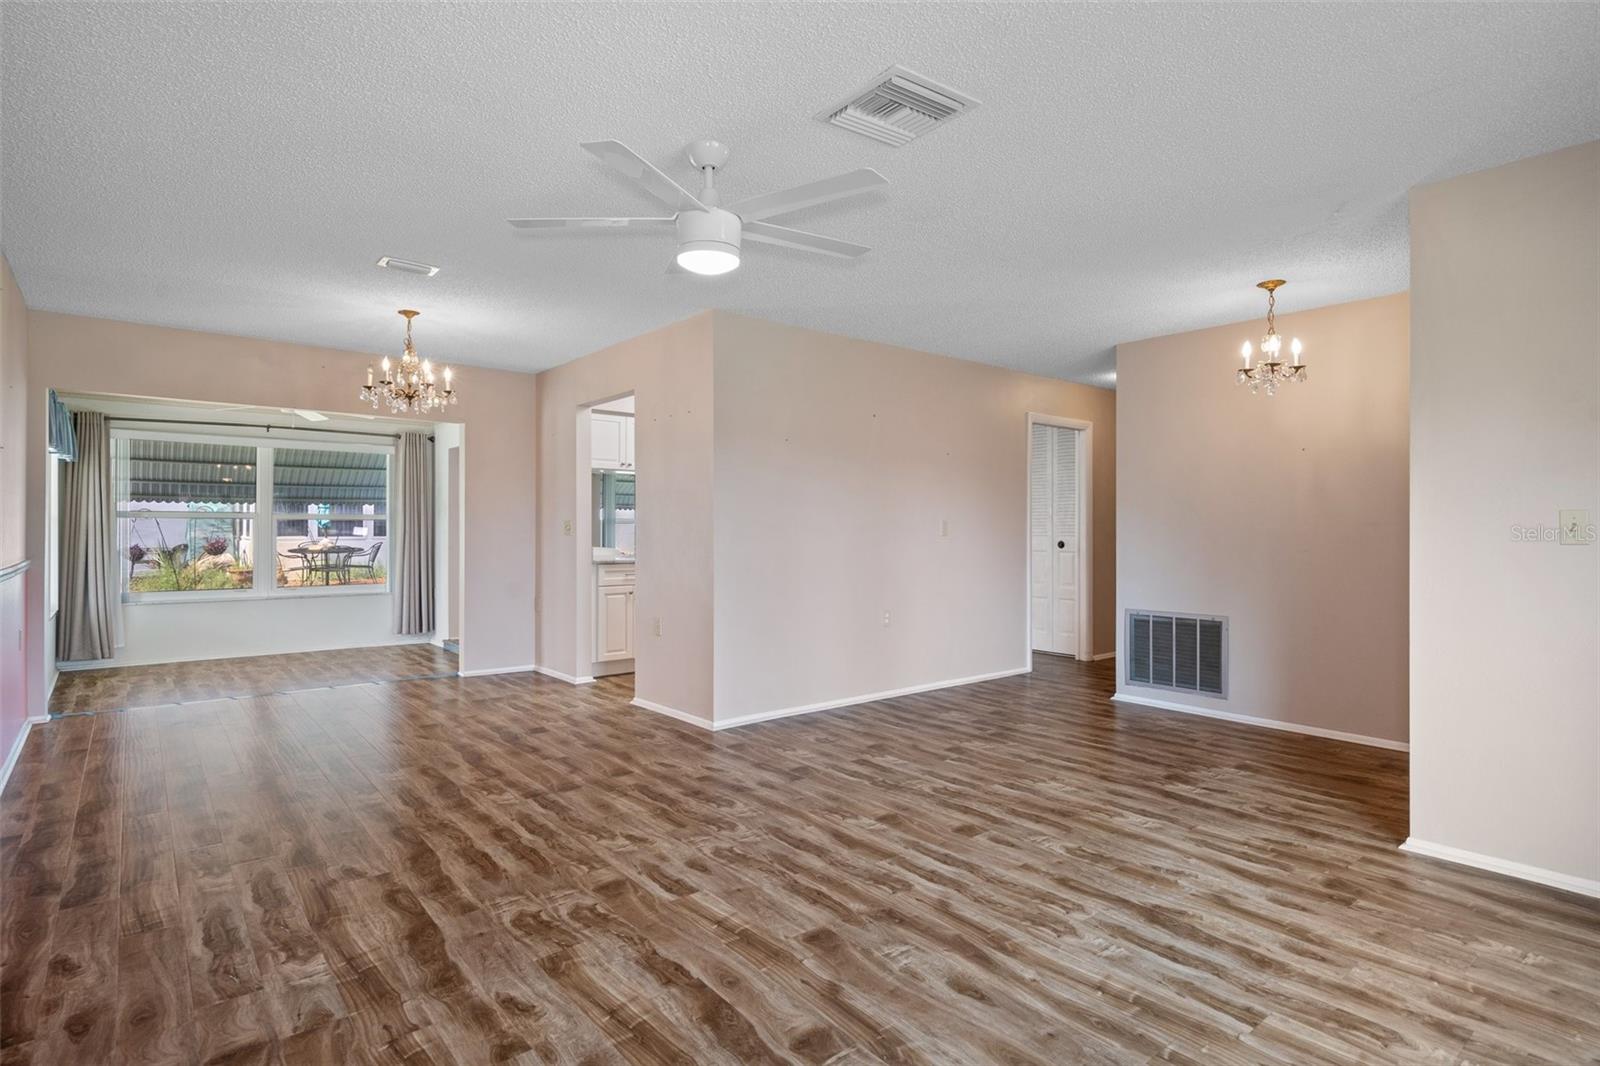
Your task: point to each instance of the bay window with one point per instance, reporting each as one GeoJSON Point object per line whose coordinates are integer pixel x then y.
{"type": "Point", "coordinates": [233, 516]}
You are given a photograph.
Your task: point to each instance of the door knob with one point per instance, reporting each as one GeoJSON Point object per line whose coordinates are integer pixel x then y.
{"type": "Point", "coordinates": [1061, 544]}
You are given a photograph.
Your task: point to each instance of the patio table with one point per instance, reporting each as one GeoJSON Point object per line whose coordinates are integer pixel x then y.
{"type": "Point", "coordinates": [325, 561]}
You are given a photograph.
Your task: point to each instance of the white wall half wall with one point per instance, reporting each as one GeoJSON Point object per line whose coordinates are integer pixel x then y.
{"type": "Point", "coordinates": [1284, 514]}
{"type": "Point", "coordinates": [857, 480]}
{"type": "Point", "coordinates": [1505, 421]}
{"type": "Point", "coordinates": [172, 632]}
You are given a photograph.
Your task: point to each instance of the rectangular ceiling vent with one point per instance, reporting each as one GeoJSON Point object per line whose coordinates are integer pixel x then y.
{"type": "Point", "coordinates": [899, 106]}
{"type": "Point", "coordinates": [1183, 652]}
{"type": "Point", "coordinates": [410, 266]}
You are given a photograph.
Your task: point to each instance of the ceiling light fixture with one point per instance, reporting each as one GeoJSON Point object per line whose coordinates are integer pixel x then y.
{"type": "Point", "coordinates": [710, 236]}
{"type": "Point", "coordinates": [1271, 371]}
{"type": "Point", "coordinates": [411, 389]}
{"type": "Point", "coordinates": [708, 240]}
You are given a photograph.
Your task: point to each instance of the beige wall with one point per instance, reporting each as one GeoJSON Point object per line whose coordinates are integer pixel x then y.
{"type": "Point", "coordinates": [1285, 514]}
{"type": "Point", "coordinates": [1505, 692]}
{"type": "Point", "coordinates": [669, 372]}
{"type": "Point", "coordinates": [836, 460]}
{"type": "Point", "coordinates": [13, 417]}
{"type": "Point", "coordinates": [497, 408]}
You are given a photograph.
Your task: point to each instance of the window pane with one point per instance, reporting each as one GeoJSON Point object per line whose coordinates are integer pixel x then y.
{"type": "Point", "coordinates": [613, 517]}
{"type": "Point", "coordinates": [184, 521]}
{"type": "Point", "coordinates": [329, 513]}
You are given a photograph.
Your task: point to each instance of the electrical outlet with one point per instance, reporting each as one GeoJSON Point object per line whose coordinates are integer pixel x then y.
{"type": "Point", "coordinates": [886, 619]}
{"type": "Point", "coordinates": [566, 527]}
{"type": "Point", "coordinates": [658, 627]}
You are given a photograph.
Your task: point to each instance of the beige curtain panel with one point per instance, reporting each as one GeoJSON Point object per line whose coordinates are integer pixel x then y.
{"type": "Point", "coordinates": [413, 534]}
{"type": "Point", "coordinates": [86, 621]}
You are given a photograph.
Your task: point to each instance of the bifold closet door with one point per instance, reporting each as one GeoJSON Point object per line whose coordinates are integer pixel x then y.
{"type": "Point", "coordinates": [1053, 505]}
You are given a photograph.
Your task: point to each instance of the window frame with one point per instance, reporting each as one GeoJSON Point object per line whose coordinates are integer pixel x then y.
{"type": "Point", "coordinates": [264, 584]}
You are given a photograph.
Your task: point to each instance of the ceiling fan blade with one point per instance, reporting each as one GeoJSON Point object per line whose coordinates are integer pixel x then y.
{"type": "Point", "coordinates": [767, 233]}
{"type": "Point", "coordinates": [808, 195]}
{"type": "Point", "coordinates": [630, 164]}
{"type": "Point", "coordinates": [588, 223]}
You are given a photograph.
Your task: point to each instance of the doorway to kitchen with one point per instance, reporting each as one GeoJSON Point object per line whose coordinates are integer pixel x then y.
{"type": "Point", "coordinates": [609, 497]}
{"type": "Point", "coordinates": [1059, 548]}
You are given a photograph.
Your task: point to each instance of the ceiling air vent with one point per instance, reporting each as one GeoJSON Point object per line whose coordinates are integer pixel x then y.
{"type": "Point", "coordinates": [898, 106]}
{"type": "Point", "coordinates": [389, 262]}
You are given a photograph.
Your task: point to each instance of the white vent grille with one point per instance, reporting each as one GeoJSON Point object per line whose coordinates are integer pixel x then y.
{"type": "Point", "coordinates": [897, 107]}
{"type": "Point", "coordinates": [410, 266]}
{"type": "Point", "coordinates": [1185, 652]}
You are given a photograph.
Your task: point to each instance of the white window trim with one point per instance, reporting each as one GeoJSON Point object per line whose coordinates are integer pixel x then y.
{"type": "Point", "coordinates": [264, 581]}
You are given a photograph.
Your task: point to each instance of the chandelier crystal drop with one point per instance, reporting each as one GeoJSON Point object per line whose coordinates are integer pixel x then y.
{"type": "Point", "coordinates": [410, 388]}
{"type": "Point", "coordinates": [1271, 371]}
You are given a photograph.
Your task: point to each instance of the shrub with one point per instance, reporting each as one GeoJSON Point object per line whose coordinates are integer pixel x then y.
{"type": "Point", "coordinates": [215, 545]}
{"type": "Point", "coordinates": [136, 553]}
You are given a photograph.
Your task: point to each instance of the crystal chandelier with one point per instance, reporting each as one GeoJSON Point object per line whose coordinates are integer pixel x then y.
{"type": "Point", "coordinates": [1271, 371]}
{"type": "Point", "coordinates": [411, 389]}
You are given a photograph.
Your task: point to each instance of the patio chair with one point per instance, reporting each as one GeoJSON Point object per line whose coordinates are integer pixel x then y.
{"type": "Point", "coordinates": [366, 559]}
{"type": "Point", "coordinates": [296, 562]}
{"type": "Point", "coordinates": [336, 563]}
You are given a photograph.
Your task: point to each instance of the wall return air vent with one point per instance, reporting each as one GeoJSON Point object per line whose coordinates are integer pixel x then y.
{"type": "Point", "coordinates": [1183, 652]}
{"type": "Point", "coordinates": [898, 106]}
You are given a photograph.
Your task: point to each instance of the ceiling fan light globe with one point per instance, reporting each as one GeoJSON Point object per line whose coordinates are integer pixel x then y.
{"type": "Point", "coordinates": [708, 258]}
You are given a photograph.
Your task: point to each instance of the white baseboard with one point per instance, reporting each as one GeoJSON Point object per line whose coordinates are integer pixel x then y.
{"type": "Point", "coordinates": [1520, 870]}
{"type": "Point", "coordinates": [1103, 656]}
{"type": "Point", "coordinates": [870, 697]}
{"type": "Point", "coordinates": [16, 748]}
{"type": "Point", "coordinates": [673, 712]}
{"type": "Point", "coordinates": [1266, 723]}
{"type": "Point", "coordinates": [528, 669]}
{"type": "Point", "coordinates": [559, 676]}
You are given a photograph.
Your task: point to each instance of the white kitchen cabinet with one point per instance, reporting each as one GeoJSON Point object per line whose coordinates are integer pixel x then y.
{"type": "Point", "coordinates": [611, 441]}
{"type": "Point", "coordinates": [613, 613]}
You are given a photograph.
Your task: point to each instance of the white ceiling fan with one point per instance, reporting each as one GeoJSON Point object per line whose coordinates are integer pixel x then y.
{"type": "Point", "coordinates": [709, 235]}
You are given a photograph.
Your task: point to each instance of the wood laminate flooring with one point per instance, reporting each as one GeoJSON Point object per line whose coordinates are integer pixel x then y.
{"type": "Point", "coordinates": [120, 688]}
{"type": "Point", "coordinates": [509, 869]}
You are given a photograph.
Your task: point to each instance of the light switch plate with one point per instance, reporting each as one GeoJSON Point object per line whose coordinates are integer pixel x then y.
{"type": "Point", "coordinates": [1576, 528]}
